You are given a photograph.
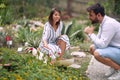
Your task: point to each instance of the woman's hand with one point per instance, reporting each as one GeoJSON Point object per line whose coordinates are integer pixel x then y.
{"type": "Point", "coordinates": [45, 44]}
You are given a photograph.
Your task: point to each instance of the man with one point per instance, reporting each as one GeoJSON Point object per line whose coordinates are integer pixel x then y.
{"type": "Point", "coordinates": [106, 47]}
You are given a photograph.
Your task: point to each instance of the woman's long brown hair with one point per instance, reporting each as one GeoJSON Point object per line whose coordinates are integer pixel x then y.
{"type": "Point", "coordinates": [50, 19]}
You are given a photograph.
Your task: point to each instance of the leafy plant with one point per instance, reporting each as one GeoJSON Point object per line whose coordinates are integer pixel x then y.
{"type": "Point", "coordinates": [73, 30]}
{"type": "Point", "coordinates": [32, 37]}
{"type": "Point", "coordinates": [66, 29]}
{"type": "Point", "coordinates": [27, 67]}
{"type": "Point", "coordinates": [2, 39]}
{"type": "Point", "coordinates": [6, 16]}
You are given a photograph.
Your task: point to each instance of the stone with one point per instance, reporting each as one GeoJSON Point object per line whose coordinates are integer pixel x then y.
{"type": "Point", "coordinates": [78, 54]}
{"type": "Point", "coordinates": [66, 62]}
{"type": "Point", "coordinates": [19, 49]}
{"type": "Point", "coordinates": [75, 66]}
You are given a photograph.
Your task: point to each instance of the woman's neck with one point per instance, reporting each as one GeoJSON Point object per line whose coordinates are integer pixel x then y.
{"type": "Point", "coordinates": [55, 26]}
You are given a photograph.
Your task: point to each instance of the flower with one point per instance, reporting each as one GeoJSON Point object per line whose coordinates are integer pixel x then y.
{"type": "Point", "coordinates": [31, 49]}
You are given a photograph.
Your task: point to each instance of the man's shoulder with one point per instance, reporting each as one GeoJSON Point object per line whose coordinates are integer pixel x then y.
{"type": "Point", "coordinates": [108, 18]}
{"type": "Point", "coordinates": [112, 23]}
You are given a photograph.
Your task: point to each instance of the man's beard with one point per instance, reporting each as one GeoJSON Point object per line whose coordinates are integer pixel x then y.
{"type": "Point", "coordinates": [95, 21]}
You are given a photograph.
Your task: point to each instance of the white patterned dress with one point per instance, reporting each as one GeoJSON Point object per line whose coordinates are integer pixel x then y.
{"type": "Point", "coordinates": [51, 36]}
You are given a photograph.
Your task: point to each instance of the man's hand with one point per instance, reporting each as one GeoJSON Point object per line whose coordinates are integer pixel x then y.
{"type": "Point", "coordinates": [89, 30]}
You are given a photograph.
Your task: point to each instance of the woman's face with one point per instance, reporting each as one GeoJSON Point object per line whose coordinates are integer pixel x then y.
{"type": "Point", "coordinates": [56, 16]}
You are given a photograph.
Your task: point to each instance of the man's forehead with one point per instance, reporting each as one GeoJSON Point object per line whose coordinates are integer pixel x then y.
{"type": "Point", "coordinates": [91, 12]}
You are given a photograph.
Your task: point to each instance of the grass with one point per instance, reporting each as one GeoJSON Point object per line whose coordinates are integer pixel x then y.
{"type": "Point", "coordinates": [27, 67]}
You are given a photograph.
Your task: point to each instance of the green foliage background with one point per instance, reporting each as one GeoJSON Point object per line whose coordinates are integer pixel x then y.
{"type": "Point", "coordinates": [16, 9]}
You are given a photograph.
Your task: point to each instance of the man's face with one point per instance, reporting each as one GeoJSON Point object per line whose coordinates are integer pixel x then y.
{"type": "Point", "coordinates": [93, 17]}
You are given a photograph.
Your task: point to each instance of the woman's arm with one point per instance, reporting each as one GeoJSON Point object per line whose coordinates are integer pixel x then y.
{"type": "Point", "coordinates": [45, 44]}
{"type": "Point", "coordinates": [45, 35]}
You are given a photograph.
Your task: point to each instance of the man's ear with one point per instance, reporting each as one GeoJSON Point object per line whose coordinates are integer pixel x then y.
{"type": "Point", "coordinates": [98, 15]}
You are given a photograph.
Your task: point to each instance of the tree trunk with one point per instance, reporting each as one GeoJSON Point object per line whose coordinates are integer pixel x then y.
{"type": "Point", "coordinates": [69, 7]}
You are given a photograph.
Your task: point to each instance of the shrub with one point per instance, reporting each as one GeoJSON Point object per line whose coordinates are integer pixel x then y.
{"type": "Point", "coordinates": [32, 37]}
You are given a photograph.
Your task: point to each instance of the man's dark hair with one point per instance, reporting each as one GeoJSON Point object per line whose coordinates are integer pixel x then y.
{"type": "Point", "coordinates": [96, 8]}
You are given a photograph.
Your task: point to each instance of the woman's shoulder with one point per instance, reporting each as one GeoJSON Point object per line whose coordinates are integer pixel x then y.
{"type": "Point", "coordinates": [47, 24]}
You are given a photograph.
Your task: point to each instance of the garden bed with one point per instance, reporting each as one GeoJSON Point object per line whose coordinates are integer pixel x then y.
{"type": "Point", "coordinates": [27, 67]}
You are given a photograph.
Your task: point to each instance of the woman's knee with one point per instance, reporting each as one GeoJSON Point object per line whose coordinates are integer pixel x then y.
{"type": "Point", "coordinates": [59, 42]}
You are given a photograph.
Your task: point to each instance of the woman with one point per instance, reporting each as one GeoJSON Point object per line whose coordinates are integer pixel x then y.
{"type": "Point", "coordinates": [53, 43]}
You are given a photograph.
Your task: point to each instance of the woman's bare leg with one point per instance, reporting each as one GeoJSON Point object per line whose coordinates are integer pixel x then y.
{"type": "Point", "coordinates": [62, 46]}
